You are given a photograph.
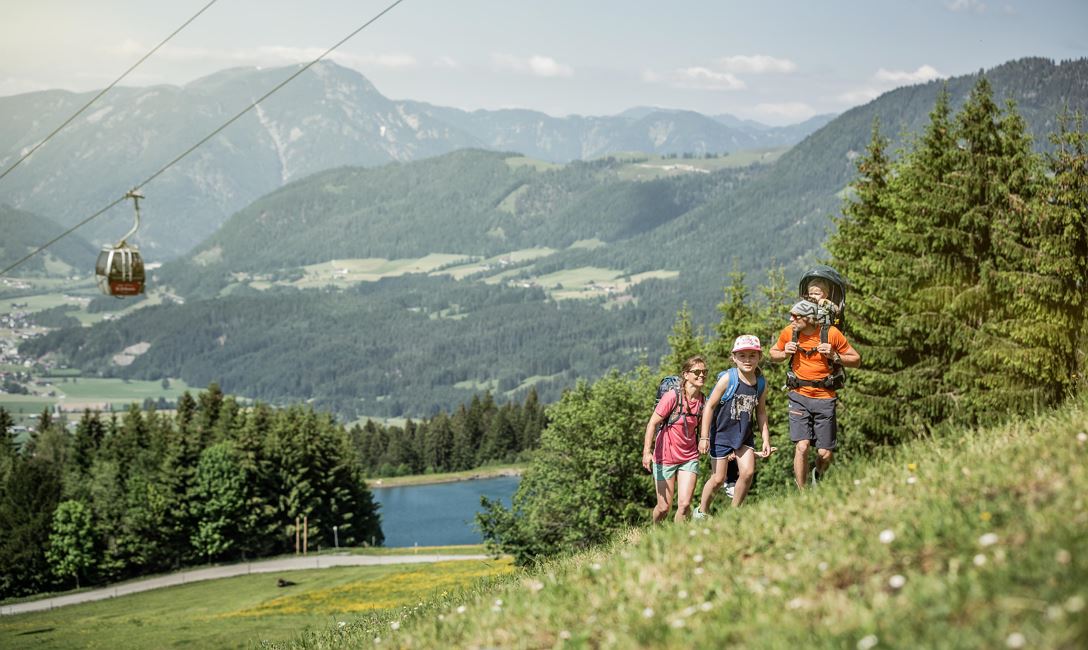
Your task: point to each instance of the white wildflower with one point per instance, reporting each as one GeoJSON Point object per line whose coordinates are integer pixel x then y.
{"type": "Point", "coordinates": [1082, 437]}
{"type": "Point", "coordinates": [678, 623]}
{"type": "Point", "coordinates": [979, 560]}
{"type": "Point", "coordinates": [887, 536]}
{"type": "Point", "coordinates": [564, 634]}
{"type": "Point", "coordinates": [698, 571]}
{"type": "Point", "coordinates": [911, 480]}
{"type": "Point", "coordinates": [341, 623]}
{"type": "Point", "coordinates": [822, 566]}
{"type": "Point", "coordinates": [698, 559]}
{"type": "Point", "coordinates": [706, 606]}
{"type": "Point", "coordinates": [395, 625]}
{"type": "Point", "coordinates": [1063, 556]}
{"type": "Point", "coordinates": [868, 642]}
{"type": "Point", "coordinates": [692, 533]}
{"type": "Point", "coordinates": [897, 581]}
{"type": "Point", "coordinates": [596, 566]}
{"type": "Point", "coordinates": [857, 481]}
{"type": "Point", "coordinates": [648, 612]}
{"type": "Point", "coordinates": [796, 603]}
{"type": "Point", "coordinates": [1015, 640]}
{"type": "Point", "coordinates": [1055, 613]}
{"type": "Point", "coordinates": [682, 594]}
{"type": "Point", "coordinates": [1074, 604]}
{"type": "Point", "coordinates": [534, 585]}
{"type": "Point", "coordinates": [461, 609]}
{"type": "Point", "coordinates": [989, 539]}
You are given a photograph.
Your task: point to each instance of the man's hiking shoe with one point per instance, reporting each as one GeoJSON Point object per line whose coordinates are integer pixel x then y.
{"type": "Point", "coordinates": [729, 489]}
{"type": "Point", "coordinates": [817, 476]}
{"type": "Point", "coordinates": [698, 514]}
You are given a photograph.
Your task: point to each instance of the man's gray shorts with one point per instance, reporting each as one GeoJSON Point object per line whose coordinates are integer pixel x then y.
{"type": "Point", "coordinates": [813, 419]}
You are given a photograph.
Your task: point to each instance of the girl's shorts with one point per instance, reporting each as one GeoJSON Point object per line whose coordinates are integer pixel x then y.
{"type": "Point", "coordinates": [665, 472]}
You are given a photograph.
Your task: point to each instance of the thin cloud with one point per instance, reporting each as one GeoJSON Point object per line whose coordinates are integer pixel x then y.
{"type": "Point", "coordinates": [756, 64]}
{"type": "Point", "coordinates": [269, 55]}
{"type": "Point", "coordinates": [538, 66]}
{"type": "Point", "coordinates": [14, 86]}
{"type": "Point", "coordinates": [790, 110]}
{"type": "Point", "coordinates": [701, 78]}
{"type": "Point", "coordinates": [976, 6]}
{"type": "Point", "coordinates": [859, 96]}
{"type": "Point", "coordinates": [923, 74]}
{"type": "Point", "coordinates": [446, 62]}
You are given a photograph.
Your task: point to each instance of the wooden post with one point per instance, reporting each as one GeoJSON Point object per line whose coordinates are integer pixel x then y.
{"type": "Point", "coordinates": [305, 533]}
{"type": "Point", "coordinates": [296, 534]}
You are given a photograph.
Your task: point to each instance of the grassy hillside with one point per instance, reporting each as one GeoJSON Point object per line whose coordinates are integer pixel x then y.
{"type": "Point", "coordinates": [240, 612]}
{"type": "Point", "coordinates": [971, 541]}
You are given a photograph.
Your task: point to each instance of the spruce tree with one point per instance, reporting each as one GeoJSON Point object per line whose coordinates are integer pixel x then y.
{"type": "Point", "coordinates": [684, 343]}
{"type": "Point", "coordinates": [865, 250]}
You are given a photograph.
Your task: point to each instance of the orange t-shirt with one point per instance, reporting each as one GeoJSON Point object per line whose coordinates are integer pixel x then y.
{"type": "Point", "coordinates": [812, 367]}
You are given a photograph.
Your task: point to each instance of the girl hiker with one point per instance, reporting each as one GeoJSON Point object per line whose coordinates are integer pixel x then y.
{"type": "Point", "coordinates": [674, 457]}
{"type": "Point", "coordinates": [737, 404]}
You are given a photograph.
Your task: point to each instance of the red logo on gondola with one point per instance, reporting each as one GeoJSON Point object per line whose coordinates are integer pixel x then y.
{"type": "Point", "coordinates": [126, 288]}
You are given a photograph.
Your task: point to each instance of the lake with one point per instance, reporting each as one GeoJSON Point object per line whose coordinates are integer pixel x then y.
{"type": "Point", "coordinates": [440, 513]}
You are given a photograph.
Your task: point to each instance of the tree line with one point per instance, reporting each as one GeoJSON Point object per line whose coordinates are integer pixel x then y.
{"type": "Point", "coordinates": [967, 256]}
{"type": "Point", "coordinates": [127, 494]}
{"type": "Point", "coordinates": [480, 433]}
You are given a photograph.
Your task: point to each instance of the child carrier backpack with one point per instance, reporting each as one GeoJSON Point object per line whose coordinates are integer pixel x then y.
{"type": "Point", "coordinates": [837, 294]}
{"type": "Point", "coordinates": [833, 314]}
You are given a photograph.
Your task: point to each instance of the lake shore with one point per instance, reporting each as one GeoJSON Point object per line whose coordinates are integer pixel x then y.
{"type": "Point", "coordinates": [449, 477]}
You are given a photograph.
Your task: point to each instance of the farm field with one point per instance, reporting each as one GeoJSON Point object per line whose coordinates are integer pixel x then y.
{"type": "Point", "coordinates": [73, 394]}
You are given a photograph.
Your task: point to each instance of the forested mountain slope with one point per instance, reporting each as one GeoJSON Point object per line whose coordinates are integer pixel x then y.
{"type": "Point", "coordinates": [783, 216]}
{"type": "Point", "coordinates": [467, 203]}
{"type": "Point", "coordinates": [23, 232]}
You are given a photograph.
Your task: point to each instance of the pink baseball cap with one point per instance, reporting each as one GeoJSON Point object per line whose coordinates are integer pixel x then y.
{"type": "Point", "coordinates": [747, 342]}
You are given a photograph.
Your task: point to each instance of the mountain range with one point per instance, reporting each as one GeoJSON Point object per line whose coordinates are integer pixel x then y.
{"type": "Point", "coordinates": [472, 258]}
{"type": "Point", "coordinates": [329, 116]}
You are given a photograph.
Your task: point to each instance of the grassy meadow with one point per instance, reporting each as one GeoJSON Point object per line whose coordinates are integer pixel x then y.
{"type": "Point", "coordinates": [245, 611]}
{"type": "Point", "coordinates": [965, 541]}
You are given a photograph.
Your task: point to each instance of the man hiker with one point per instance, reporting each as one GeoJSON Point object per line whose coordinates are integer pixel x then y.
{"type": "Point", "coordinates": [816, 353]}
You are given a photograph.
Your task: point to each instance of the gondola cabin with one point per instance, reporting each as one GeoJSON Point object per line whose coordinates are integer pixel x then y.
{"type": "Point", "coordinates": [120, 271]}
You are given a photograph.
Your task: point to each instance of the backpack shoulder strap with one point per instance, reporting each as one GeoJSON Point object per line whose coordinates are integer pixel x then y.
{"type": "Point", "coordinates": [761, 385]}
{"type": "Point", "coordinates": [731, 387]}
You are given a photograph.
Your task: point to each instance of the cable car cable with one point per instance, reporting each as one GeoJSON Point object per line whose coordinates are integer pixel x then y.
{"type": "Point", "coordinates": [204, 139]}
{"type": "Point", "coordinates": [104, 91]}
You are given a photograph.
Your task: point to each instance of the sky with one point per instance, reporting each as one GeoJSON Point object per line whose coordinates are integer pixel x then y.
{"type": "Point", "coordinates": [775, 61]}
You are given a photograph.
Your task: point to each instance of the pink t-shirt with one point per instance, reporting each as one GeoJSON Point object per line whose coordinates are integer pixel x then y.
{"type": "Point", "coordinates": [678, 443]}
